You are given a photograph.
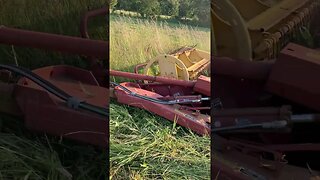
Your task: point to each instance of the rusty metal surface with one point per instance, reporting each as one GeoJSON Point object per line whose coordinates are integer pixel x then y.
{"type": "Point", "coordinates": [90, 14]}
{"type": "Point", "coordinates": [61, 43]}
{"type": "Point", "coordinates": [300, 82]}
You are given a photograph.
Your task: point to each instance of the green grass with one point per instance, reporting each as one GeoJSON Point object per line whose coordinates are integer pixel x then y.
{"type": "Point", "coordinates": [161, 18]}
{"type": "Point", "coordinates": [29, 155]}
{"type": "Point", "coordinates": [134, 40]}
{"type": "Point", "coordinates": [143, 145]}
{"type": "Point", "coordinates": [59, 17]}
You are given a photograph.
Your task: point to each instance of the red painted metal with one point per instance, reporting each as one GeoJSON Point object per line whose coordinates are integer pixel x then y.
{"type": "Point", "coordinates": [61, 43]}
{"type": "Point", "coordinates": [7, 101]}
{"type": "Point", "coordinates": [90, 14]}
{"type": "Point", "coordinates": [93, 49]}
{"type": "Point", "coordinates": [294, 147]}
{"type": "Point", "coordinates": [195, 116]}
{"type": "Point", "coordinates": [152, 78]}
{"type": "Point", "coordinates": [96, 67]}
{"type": "Point", "coordinates": [190, 119]}
{"type": "Point", "coordinates": [43, 111]}
{"type": "Point", "coordinates": [239, 83]}
{"type": "Point", "coordinates": [203, 85]}
{"type": "Point", "coordinates": [74, 81]}
{"type": "Point", "coordinates": [232, 117]}
{"type": "Point", "coordinates": [46, 113]}
{"type": "Point", "coordinates": [300, 81]}
{"type": "Point", "coordinates": [240, 161]}
{"type": "Point", "coordinates": [167, 89]}
{"type": "Point", "coordinates": [237, 68]}
{"type": "Point", "coordinates": [250, 93]}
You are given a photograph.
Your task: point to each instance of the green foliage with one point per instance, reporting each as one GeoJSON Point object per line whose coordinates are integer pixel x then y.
{"type": "Point", "coordinates": [148, 8]}
{"type": "Point", "coordinates": [304, 37]}
{"type": "Point", "coordinates": [130, 5]}
{"type": "Point", "coordinates": [202, 10]}
{"type": "Point", "coordinates": [170, 7]}
{"type": "Point", "coordinates": [185, 9]}
{"type": "Point", "coordinates": [196, 10]}
{"type": "Point", "coordinates": [112, 3]}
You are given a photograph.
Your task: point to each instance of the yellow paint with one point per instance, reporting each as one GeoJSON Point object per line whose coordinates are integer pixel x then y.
{"type": "Point", "coordinates": [253, 29]}
{"type": "Point", "coordinates": [185, 65]}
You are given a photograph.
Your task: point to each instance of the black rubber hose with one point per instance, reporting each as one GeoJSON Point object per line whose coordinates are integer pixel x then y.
{"type": "Point", "coordinates": [53, 89]}
{"type": "Point", "coordinates": [266, 125]}
{"type": "Point", "coordinates": [148, 98]}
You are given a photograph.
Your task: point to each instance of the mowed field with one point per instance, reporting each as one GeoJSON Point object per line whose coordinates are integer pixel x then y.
{"type": "Point", "coordinates": [143, 145]}
{"type": "Point", "coordinates": [27, 155]}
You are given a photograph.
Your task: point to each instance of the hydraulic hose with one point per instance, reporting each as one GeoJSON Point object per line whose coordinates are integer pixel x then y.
{"type": "Point", "coordinates": [266, 125]}
{"type": "Point", "coordinates": [55, 90]}
{"type": "Point", "coordinates": [158, 101]}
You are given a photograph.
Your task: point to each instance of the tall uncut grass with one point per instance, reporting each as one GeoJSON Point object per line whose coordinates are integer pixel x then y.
{"type": "Point", "coordinates": [25, 154]}
{"type": "Point", "coordinates": [134, 40]}
{"type": "Point", "coordinates": [56, 16]}
{"type": "Point", "coordinates": [143, 145]}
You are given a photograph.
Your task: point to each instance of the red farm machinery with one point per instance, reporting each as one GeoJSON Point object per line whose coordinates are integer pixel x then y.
{"type": "Point", "coordinates": [178, 91]}
{"type": "Point", "coordinates": [265, 74]}
{"type": "Point", "coordinates": [59, 100]}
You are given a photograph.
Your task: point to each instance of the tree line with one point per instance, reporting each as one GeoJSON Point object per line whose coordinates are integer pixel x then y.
{"type": "Point", "coordinates": [196, 10]}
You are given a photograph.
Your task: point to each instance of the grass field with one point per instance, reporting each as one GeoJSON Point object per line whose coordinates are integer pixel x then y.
{"type": "Point", "coordinates": [27, 155]}
{"type": "Point", "coordinates": [134, 40]}
{"type": "Point", "coordinates": [142, 145]}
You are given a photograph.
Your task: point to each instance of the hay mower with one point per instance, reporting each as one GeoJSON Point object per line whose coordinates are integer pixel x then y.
{"type": "Point", "coordinates": [265, 73]}
{"type": "Point", "coordinates": [59, 100]}
{"type": "Point", "coordinates": [179, 90]}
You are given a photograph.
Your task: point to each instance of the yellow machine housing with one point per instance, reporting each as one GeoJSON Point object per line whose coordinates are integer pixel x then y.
{"type": "Point", "coordinates": [184, 64]}
{"type": "Point", "coordinates": [258, 29]}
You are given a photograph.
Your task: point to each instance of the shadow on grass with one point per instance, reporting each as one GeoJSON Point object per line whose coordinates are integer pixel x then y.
{"type": "Point", "coordinates": [43, 156]}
